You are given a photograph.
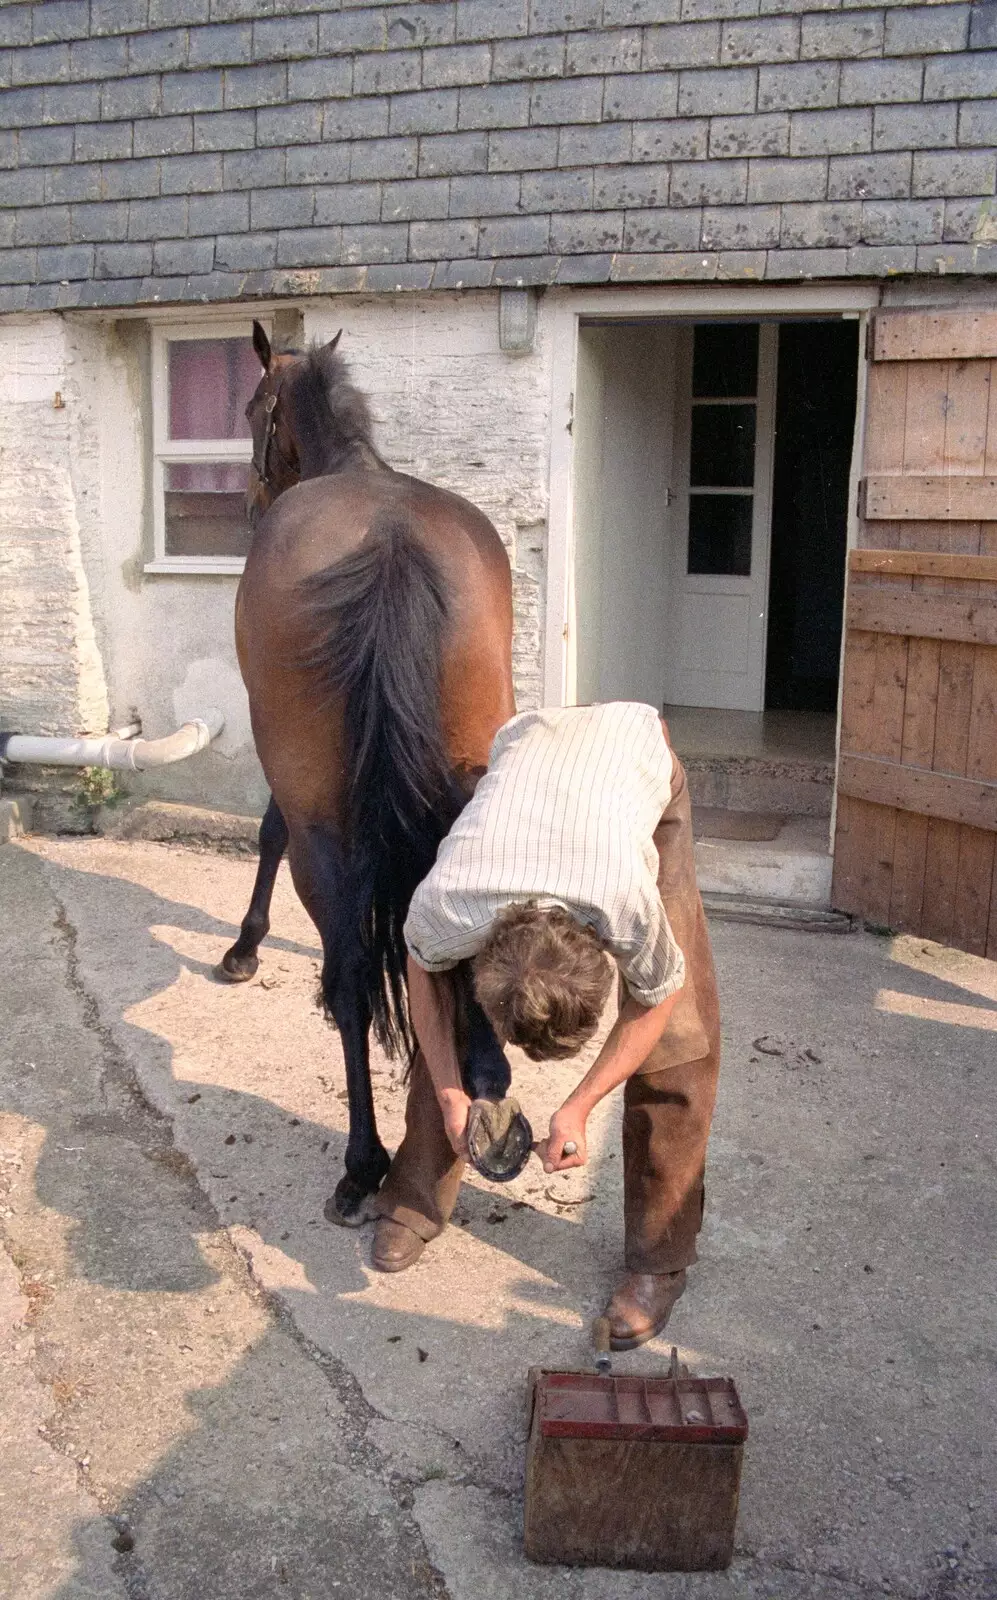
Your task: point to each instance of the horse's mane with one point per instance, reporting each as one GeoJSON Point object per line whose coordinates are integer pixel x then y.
{"type": "Point", "coordinates": [331, 416]}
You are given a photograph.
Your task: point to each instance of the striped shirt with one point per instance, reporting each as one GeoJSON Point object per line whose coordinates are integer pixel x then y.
{"type": "Point", "coordinates": [564, 815]}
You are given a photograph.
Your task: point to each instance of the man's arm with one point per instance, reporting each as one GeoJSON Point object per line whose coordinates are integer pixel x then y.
{"type": "Point", "coordinates": [630, 1041]}
{"type": "Point", "coordinates": [431, 1003]}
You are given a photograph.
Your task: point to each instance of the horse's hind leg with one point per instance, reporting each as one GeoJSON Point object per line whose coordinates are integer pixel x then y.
{"type": "Point", "coordinates": [240, 961]}
{"type": "Point", "coordinates": [321, 879]}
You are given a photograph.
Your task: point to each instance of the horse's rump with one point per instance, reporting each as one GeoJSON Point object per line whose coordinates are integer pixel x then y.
{"type": "Point", "coordinates": [378, 619]}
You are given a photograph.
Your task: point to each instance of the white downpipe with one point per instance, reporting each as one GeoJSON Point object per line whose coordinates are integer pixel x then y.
{"type": "Point", "coordinates": [121, 755]}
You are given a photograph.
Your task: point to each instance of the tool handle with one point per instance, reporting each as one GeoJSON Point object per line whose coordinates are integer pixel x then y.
{"type": "Point", "coordinates": [600, 1343]}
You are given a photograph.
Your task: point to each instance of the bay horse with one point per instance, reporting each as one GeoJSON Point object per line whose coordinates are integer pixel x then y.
{"type": "Point", "coordinates": [374, 635]}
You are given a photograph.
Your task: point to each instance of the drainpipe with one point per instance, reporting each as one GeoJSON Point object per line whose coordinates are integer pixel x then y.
{"type": "Point", "coordinates": [120, 754]}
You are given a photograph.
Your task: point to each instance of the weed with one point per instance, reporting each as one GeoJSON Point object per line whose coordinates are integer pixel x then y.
{"type": "Point", "coordinates": [97, 788]}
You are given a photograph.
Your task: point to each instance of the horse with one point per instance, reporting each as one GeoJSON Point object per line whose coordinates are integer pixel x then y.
{"type": "Point", "coordinates": [374, 636]}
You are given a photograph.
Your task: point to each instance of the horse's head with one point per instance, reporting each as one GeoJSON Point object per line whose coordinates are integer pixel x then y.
{"type": "Point", "coordinates": [306, 418]}
{"type": "Point", "coordinates": [275, 456]}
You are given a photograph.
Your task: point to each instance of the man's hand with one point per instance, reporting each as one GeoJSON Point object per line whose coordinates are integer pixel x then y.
{"type": "Point", "coordinates": [566, 1126]}
{"type": "Point", "coordinates": [455, 1105]}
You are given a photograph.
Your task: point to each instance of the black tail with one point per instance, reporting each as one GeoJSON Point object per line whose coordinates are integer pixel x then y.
{"type": "Point", "coordinates": [380, 617]}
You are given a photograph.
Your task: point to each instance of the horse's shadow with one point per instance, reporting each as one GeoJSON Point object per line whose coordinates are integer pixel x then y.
{"type": "Point", "coordinates": [438, 1354]}
{"type": "Point", "coordinates": [117, 1253]}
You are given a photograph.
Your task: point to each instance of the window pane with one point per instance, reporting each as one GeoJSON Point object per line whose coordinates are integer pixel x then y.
{"type": "Point", "coordinates": [211, 383]}
{"type": "Point", "coordinates": [206, 508]}
{"type": "Point", "coordinates": [722, 454]}
{"type": "Point", "coordinates": [208, 477]}
{"type": "Point", "coordinates": [720, 534]}
{"type": "Point", "coordinates": [725, 359]}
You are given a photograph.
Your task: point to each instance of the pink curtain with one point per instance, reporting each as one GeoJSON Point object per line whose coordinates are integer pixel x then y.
{"type": "Point", "coordinates": [211, 383]}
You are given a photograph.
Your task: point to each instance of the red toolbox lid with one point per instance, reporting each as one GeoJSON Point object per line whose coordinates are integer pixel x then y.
{"type": "Point", "coordinates": [590, 1405]}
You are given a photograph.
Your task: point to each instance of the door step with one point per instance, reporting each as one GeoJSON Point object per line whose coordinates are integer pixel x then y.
{"type": "Point", "coordinates": [720, 822]}
{"type": "Point", "coordinates": [775, 914]}
{"type": "Point", "coordinates": [793, 868]}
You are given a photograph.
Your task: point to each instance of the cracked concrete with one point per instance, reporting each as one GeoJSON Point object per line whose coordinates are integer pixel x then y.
{"type": "Point", "coordinates": [206, 1393]}
{"type": "Point", "coordinates": [167, 1432]}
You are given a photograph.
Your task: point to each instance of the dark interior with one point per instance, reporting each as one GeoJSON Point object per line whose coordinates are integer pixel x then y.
{"type": "Point", "coordinates": [815, 418]}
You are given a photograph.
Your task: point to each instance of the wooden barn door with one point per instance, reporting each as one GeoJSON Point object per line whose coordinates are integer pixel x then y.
{"type": "Point", "coordinates": [917, 773]}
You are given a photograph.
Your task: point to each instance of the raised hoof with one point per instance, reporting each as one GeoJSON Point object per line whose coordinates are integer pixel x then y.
{"type": "Point", "coordinates": [351, 1206]}
{"type": "Point", "coordinates": [499, 1139]}
{"type": "Point", "coordinates": [236, 969]}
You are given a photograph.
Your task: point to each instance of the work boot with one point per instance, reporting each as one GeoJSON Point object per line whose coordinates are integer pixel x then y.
{"type": "Point", "coordinates": [640, 1307]}
{"type": "Point", "coordinates": [395, 1246]}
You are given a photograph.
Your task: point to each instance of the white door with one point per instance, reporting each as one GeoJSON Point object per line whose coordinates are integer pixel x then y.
{"type": "Point", "coordinates": [719, 530]}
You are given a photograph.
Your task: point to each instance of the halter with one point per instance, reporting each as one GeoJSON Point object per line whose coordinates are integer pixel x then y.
{"type": "Point", "coordinates": [269, 440]}
{"type": "Point", "coordinates": [260, 466]}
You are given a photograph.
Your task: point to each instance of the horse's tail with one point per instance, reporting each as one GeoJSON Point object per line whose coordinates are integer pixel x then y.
{"type": "Point", "coordinates": [380, 617]}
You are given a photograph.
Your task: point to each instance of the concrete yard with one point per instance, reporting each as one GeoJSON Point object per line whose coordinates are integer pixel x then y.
{"type": "Point", "coordinates": [206, 1394]}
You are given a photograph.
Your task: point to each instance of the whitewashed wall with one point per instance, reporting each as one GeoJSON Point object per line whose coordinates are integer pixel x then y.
{"type": "Point", "coordinates": [87, 637]}
{"type": "Point", "coordinates": [623, 443]}
{"type": "Point", "coordinates": [452, 408]}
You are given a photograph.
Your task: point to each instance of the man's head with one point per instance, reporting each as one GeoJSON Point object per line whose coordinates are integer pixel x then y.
{"type": "Point", "coordinates": [542, 979]}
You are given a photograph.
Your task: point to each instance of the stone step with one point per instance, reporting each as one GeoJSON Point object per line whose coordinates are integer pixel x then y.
{"type": "Point", "coordinates": [792, 787]}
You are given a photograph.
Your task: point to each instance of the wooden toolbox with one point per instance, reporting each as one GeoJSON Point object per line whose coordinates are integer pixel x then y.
{"type": "Point", "coordinates": [633, 1472]}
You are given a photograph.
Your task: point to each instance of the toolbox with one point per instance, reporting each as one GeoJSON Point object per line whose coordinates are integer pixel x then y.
{"type": "Point", "coordinates": [628, 1471]}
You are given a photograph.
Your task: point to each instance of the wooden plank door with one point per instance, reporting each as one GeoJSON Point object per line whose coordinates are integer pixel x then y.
{"type": "Point", "coordinates": [917, 772]}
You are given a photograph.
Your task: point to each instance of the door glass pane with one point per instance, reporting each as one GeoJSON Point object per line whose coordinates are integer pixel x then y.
{"type": "Point", "coordinates": [211, 383]}
{"type": "Point", "coordinates": [725, 359]}
{"type": "Point", "coordinates": [206, 508]}
{"type": "Point", "coordinates": [720, 534]}
{"type": "Point", "coordinates": [722, 454]}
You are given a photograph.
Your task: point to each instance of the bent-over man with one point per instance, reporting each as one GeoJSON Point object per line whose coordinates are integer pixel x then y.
{"type": "Point", "coordinates": [576, 845]}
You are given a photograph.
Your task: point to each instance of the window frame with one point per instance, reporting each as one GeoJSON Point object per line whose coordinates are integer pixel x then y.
{"type": "Point", "coordinates": [167, 452]}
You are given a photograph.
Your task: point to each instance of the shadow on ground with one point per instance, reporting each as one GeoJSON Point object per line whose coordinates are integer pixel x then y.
{"type": "Point", "coordinates": [281, 1444]}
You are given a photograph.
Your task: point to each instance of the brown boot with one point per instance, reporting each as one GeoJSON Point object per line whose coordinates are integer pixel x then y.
{"type": "Point", "coordinates": [640, 1307]}
{"type": "Point", "coordinates": [395, 1246]}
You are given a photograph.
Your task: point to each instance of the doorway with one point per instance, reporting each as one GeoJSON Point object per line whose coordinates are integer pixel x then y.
{"type": "Point", "coordinates": [712, 463]}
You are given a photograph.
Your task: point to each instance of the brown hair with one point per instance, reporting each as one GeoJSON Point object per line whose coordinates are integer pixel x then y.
{"type": "Point", "coordinates": [542, 980]}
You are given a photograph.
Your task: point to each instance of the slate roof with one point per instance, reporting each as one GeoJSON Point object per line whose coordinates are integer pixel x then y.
{"type": "Point", "coordinates": [175, 150]}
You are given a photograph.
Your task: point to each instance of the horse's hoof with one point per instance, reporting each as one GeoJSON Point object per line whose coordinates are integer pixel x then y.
{"type": "Point", "coordinates": [236, 969]}
{"type": "Point", "coordinates": [499, 1139]}
{"type": "Point", "coordinates": [350, 1206]}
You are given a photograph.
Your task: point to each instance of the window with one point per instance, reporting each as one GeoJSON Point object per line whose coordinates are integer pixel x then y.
{"type": "Point", "coordinates": [722, 449]}
{"type": "Point", "coordinates": [203, 376]}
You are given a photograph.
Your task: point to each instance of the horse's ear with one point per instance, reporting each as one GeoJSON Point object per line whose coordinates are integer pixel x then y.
{"type": "Point", "coordinates": [333, 342]}
{"type": "Point", "coordinates": [261, 344]}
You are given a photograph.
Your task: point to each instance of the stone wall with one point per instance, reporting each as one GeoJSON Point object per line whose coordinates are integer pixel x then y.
{"type": "Point", "coordinates": [51, 670]}
{"type": "Point", "coordinates": [157, 150]}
